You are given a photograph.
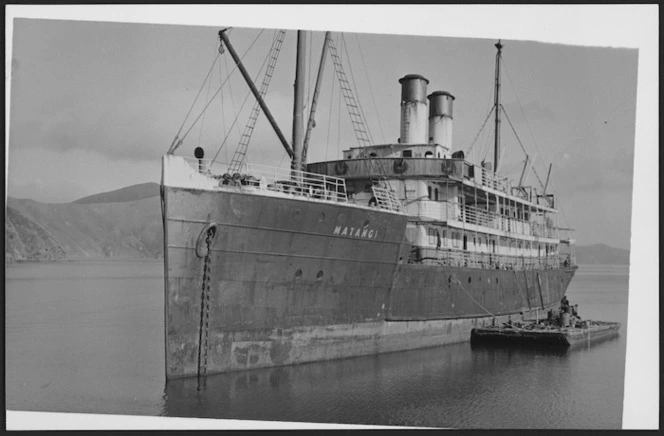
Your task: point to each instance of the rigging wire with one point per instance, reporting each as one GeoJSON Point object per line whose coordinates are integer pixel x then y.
{"type": "Point", "coordinates": [514, 130]}
{"type": "Point", "coordinates": [339, 112]}
{"type": "Point", "coordinates": [237, 116]}
{"type": "Point", "coordinates": [230, 90]}
{"type": "Point", "coordinates": [271, 61]}
{"type": "Point", "coordinates": [207, 94]}
{"type": "Point", "coordinates": [352, 76]}
{"type": "Point", "coordinates": [194, 102]}
{"type": "Point", "coordinates": [523, 113]}
{"type": "Point", "coordinates": [221, 97]}
{"type": "Point", "coordinates": [260, 70]}
{"type": "Point", "coordinates": [514, 166]}
{"type": "Point", "coordinates": [366, 74]}
{"type": "Point", "coordinates": [487, 137]}
{"type": "Point", "coordinates": [223, 115]}
{"type": "Point", "coordinates": [481, 129]}
{"type": "Point", "coordinates": [486, 147]}
{"type": "Point", "coordinates": [485, 144]}
{"type": "Point", "coordinates": [329, 123]}
{"type": "Point", "coordinates": [219, 89]}
{"type": "Point", "coordinates": [524, 150]}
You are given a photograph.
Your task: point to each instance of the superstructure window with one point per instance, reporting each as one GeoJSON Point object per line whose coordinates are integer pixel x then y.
{"type": "Point", "coordinates": [407, 153]}
{"type": "Point", "coordinates": [455, 239]}
{"type": "Point", "coordinates": [434, 237]}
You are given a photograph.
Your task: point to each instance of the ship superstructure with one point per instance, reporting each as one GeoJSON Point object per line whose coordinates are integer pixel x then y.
{"type": "Point", "coordinates": [393, 247]}
{"type": "Point", "coordinates": [460, 214]}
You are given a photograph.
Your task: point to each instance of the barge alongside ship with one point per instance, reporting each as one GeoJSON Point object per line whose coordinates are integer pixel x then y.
{"type": "Point", "coordinates": [539, 335]}
{"type": "Point", "coordinates": [393, 247]}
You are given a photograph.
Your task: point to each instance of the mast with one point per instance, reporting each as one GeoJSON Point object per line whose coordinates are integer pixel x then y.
{"type": "Point", "coordinates": [314, 102]}
{"type": "Point", "coordinates": [496, 146]}
{"type": "Point", "coordinates": [298, 102]}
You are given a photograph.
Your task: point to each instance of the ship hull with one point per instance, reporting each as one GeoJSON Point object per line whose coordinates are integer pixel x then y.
{"type": "Point", "coordinates": [292, 280]}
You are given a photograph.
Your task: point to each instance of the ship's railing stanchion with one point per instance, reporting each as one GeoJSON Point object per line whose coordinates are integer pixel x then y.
{"type": "Point", "coordinates": [462, 258]}
{"type": "Point", "coordinates": [277, 179]}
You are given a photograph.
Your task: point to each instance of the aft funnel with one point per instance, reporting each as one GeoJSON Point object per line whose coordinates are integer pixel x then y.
{"type": "Point", "coordinates": [440, 119]}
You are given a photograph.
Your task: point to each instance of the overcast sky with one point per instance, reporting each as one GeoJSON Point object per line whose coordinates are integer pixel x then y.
{"type": "Point", "coordinates": [94, 105]}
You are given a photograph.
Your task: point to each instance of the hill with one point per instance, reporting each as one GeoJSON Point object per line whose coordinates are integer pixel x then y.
{"type": "Point", "coordinates": [601, 254]}
{"type": "Point", "coordinates": [27, 240]}
{"type": "Point", "coordinates": [39, 231]}
{"type": "Point", "coordinates": [130, 193]}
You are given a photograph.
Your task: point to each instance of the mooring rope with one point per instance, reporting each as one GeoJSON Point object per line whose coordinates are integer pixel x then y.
{"type": "Point", "coordinates": [471, 297]}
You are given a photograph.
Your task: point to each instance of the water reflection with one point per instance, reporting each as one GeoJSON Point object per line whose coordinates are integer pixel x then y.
{"type": "Point", "coordinates": [87, 337]}
{"type": "Point", "coordinates": [443, 386]}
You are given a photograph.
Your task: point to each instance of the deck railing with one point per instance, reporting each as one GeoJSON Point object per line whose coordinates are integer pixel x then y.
{"type": "Point", "coordinates": [460, 258]}
{"type": "Point", "coordinates": [386, 198]}
{"type": "Point", "coordinates": [491, 180]}
{"type": "Point", "coordinates": [448, 211]}
{"type": "Point", "coordinates": [275, 179]}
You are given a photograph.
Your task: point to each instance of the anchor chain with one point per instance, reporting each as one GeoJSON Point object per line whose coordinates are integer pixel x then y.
{"type": "Point", "coordinates": [203, 332]}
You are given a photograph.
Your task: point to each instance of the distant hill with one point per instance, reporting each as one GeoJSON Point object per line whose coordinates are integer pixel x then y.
{"type": "Point", "coordinates": [601, 254]}
{"type": "Point", "coordinates": [39, 231]}
{"type": "Point", "coordinates": [130, 193]}
{"type": "Point", "coordinates": [27, 240]}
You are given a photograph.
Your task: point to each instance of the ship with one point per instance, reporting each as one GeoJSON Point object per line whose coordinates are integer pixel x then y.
{"type": "Point", "coordinates": [391, 247]}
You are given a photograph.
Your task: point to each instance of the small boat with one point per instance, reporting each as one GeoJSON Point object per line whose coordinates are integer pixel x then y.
{"type": "Point", "coordinates": [546, 334]}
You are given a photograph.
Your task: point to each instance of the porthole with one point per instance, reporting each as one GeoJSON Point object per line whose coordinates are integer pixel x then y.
{"type": "Point", "coordinates": [298, 273]}
{"type": "Point", "coordinates": [469, 279]}
{"type": "Point", "coordinates": [366, 224]}
{"type": "Point", "coordinates": [321, 217]}
{"type": "Point", "coordinates": [319, 275]}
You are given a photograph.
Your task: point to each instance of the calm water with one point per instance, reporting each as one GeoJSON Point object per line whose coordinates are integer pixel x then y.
{"type": "Point", "coordinates": [88, 337]}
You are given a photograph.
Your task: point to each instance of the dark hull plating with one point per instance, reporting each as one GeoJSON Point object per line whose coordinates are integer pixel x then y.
{"type": "Point", "coordinates": [295, 281]}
